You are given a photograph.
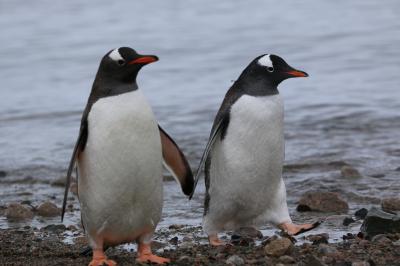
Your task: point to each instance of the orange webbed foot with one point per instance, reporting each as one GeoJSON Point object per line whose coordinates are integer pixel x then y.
{"type": "Point", "coordinates": [100, 259]}
{"type": "Point", "coordinates": [145, 255]}
{"type": "Point", "coordinates": [297, 229]}
{"type": "Point", "coordinates": [152, 259]}
{"type": "Point", "coordinates": [215, 241]}
{"type": "Point", "coordinates": [102, 262]}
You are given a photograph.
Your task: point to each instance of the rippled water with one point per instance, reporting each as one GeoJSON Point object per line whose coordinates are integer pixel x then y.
{"type": "Point", "coordinates": [346, 111]}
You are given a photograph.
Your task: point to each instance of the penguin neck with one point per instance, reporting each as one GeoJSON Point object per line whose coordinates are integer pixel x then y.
{"type": "Point", "coordinates": [103, 87]}
{"type": "Point", "coordinates": [257, 85]}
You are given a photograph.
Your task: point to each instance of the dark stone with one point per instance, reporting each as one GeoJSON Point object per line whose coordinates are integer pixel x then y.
{"type": "Point", "coordinates": [3, 174]}
{"type": "Point", "coordinates": [55, 228]}
{"type": "Point", "coordinates": [323, 201]}
{"type": "Point", "coordinates": [380, 222]}
{"type": "Point", "coordinates": [311, 260]}
{"type": "Point", "coordinates": [174, 241]}
{"type": "Point", "coordinates": [249, 232]}
{"type": "Point", "coordinates": [303, 208]}
{"type": "Point", "coordinates": [318, 239]}
{"type": "Point", "coordinates": [348, 236]}
{"type": "Point", "coordinates": [349, 172]}
{"type": "Point", "coordinates": [347, 221]}
{"type": "Point", "coordinates": [361, 213]}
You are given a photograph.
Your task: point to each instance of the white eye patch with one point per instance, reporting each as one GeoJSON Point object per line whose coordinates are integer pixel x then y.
{"type": "Point", "coordinates": [115, 55]}
{"type": "Point", "coordinates": [265, 61]}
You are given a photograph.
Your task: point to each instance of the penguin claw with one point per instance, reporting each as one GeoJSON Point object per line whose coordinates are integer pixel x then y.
{"type": "Point", "coordinates": [102, 262]}
{"type": "Point", "coordinates": [215, 241]}
{"type": "Point", "coordinates": [152, 259]}
{"type": "Point", "coordinates": [297, 229]}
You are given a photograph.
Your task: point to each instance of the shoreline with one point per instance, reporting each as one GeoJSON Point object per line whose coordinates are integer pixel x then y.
{"type": "Point", "coordinates": [187, 245]}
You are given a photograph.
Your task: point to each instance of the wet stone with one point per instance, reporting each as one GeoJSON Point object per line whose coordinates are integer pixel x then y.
{"type": "Point", "coordinates": [235, 260]}
{"type": "Point", "coordinates": [55, 228]}
{"type": "Point", "coordinates": [278, 247]}
{"type": "Point", "coordinates": [318, 239]}
{"type": "Point", "coordinates": [16, 211]}
{"type": "Point", "coordinates": [347, 221]}
{"type": "Point", "coordinates": [311, 260]}
{"type": "Point", "coordinates": [174, 241]}
{"type": "Point", "coordinates": [3, 174]}
{"type": "Point", "coordinates": [48, 209]}
{"type": "Point", "coordinates": [59, 182]}
{"type": "Point", "coordinates": [380, 222]}
{"type": "Point", "coordinates": [184, 259]}
{"type": "Point", "coordinates": [323, 202]}
{"type": "Point", "coordinates": [285, 259]}
{"type": "Point", "coordinates": [349, 172]}
{"type": "Point", "coordinates": [326, 249]}
{"type": "Point", "coordinates": [391, 204]}
{"type": "Point", "coordinates": [381, 238]}
{"type": "Point", "coordinates": [361, 213]}
{"type": "Point", "coordinates": [249, 232]}
{"type": "Point", "coordinates": [360, 263]}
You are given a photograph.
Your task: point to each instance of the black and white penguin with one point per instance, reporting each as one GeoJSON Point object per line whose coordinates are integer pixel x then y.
{"type": "Point", "coordinates": [119, 155]}
{"type": "Point", "coordinates": [245, 153]}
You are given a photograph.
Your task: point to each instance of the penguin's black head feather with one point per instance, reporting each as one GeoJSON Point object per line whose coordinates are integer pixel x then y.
{"type": "Point", "coordinates": [271, 68]}
{"type": "Point", "coordinates": [123, 64]}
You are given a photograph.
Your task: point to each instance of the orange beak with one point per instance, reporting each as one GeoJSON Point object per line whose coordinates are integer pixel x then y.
{"type": "Point", "coordinates": [144, 60]}
{"type": "Point", "coordinates": [297, 73]}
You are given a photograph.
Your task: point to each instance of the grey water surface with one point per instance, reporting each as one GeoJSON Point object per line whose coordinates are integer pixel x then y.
{"type": "Point", "coordinates": [348, 110]}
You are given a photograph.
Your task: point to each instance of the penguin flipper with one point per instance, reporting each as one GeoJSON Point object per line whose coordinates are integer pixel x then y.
{"type": "Point", "coordinates": [176, 163]}
{"type": "Point", "coordinates": [79, 145]}
{"type": "Point", "coordinates": [219, 129]}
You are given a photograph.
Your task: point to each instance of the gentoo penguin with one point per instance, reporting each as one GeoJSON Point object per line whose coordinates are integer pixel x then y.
{"type": "Point", "coordinates": [119, 155]}
{"type": "Point", "coordinates": [245, 152]}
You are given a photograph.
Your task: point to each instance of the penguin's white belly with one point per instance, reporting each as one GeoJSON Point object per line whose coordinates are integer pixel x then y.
{"type": "Point", "coordinates": [246, 186]}
{"type": "Point", "coordinates": [120, 170]}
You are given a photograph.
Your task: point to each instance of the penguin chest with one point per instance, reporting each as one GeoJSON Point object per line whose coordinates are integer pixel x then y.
{"type": "Point", "coordinates": [253, 148]}
{"type": "Point", "coordinates": [120, 170]}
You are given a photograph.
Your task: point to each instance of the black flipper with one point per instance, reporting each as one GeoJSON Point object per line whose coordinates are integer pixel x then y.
{"type": "Point", "coordinates": [176, 163]}
{"type": "Point", "coordinates": [79, 146]}
{"type": "Point", "coordinates": [219, 130]}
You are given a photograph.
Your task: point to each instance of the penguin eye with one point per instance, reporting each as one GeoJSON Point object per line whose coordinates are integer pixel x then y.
{"type": "Point", "coordinates": [270, 69]}
{"type": "Point", "coordinates": [121, 62]}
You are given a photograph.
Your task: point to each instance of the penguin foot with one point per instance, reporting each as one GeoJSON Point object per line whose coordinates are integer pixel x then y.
{"type": "Point", "coordinates": [215, 241]}
{"type": "Point", "coordinates": [297, 229]}
{"type": "Point", "coordinates": [100, 259]}
{"type": "Point", "coordinates": [102, 262]}
{"type": "Point", "coordinates": [145, 255]}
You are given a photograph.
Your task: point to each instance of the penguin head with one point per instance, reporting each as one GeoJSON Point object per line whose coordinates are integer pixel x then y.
{"type": "Point", "coordinates": [274, 68]}
{"type": "Point", "coordinates": [123, 64]}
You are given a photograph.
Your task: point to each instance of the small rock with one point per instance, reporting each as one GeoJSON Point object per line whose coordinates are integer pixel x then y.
{"type": "Point", "coordinates": [176, 226]}
{"type": "Point", "coordinates": [55, 228]}
{"type": "Point", "coordinates": [174, 241]}
{"type": "Point", "coordinates": [318, 239]}
{"type": "Point", "coordinates": [72, 228]}
{"type": "Point", "coordinates": [3, 174]}
{"type": "Point", "coordinates": [361, 213]}
{"type": "Point", "coordinates": [157, 244]}
{"type": "Point", "coordinates": [278, 247]}
{"type": "Point", "coordinates": [323, 201]}
{"type": "Point", "coordinates": [59, 182]}
{"type": "Point", "coordinates": [311, 260]}
{"type": "Point", "coordinates": [391, 204]}
{"type": "Point", "coordinates": [235, 260]}
{"type": "Point", "coordinates": [74, 188]}
{"type": "Point", "coordinates": [397, 243]}
{"type": "Point", "coordinates": [285, 259]}
{"type": "Point", "coordinates": [249, 232]}
{"type": "Point", "coordinates": [381, 238]}
{"type": "Point", "coordinates": [347, 221]}
{"type": "Point", "coordinates": [380, 222]}
{"type": "Point", "coordinates": [348, 236]}
{"type": "Point", "coordinates": [16, 211]}
{"type": "Point", "coordinates": [184, 260]}
{"type": "Point", "coordinates": [360, 263]}
{"type": "Point", "coordinates": [349, 172]}
{"type": "Point", "coordinates": [238, 240]}
{"type": "Point", "coordinates": [48, 209]}
{"type": "Point", "coordinates": [326, 249]}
